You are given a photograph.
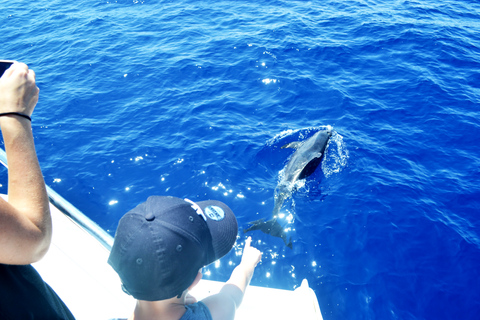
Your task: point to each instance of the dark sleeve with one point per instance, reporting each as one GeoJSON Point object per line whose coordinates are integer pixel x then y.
{"type": "Point", "coordinates": [197, 311]}
{"type": "Point", "coordinates": [24, 295]}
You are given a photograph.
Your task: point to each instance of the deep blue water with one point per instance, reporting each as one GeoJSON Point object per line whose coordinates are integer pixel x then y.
{"type": "Point", "coordinates": [195, 100]}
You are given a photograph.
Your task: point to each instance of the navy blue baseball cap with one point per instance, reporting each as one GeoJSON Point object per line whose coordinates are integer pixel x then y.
{"type": "Point", "coordinates": [161, 244]}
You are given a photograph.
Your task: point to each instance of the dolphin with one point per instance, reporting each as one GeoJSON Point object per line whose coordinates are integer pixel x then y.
{"type": "Point", "coordinates": [302, 163]}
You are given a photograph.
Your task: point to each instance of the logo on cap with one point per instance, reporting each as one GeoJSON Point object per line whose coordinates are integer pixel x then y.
{"type": "Point", "coordinates": [215, 213]}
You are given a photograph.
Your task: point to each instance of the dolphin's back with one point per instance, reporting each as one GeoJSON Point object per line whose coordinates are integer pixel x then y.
{"type": "Point", "coordinates": [307, 157]}
{"type": "Point", "coordinates": [301, 164]}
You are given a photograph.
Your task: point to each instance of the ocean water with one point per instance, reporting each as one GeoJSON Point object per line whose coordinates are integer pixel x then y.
{"type": "Point", "coordinates": [195, 99]}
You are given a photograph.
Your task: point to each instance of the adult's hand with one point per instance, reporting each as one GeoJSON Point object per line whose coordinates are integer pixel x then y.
{"type": "Point", "coordinates": [18, 90]}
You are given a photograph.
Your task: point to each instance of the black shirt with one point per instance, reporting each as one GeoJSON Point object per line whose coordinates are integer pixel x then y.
{"type": "Point", "coordinates": [24, 295]}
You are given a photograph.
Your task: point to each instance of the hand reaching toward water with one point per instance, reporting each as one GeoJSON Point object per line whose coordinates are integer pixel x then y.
{"type": "Point", "coordinates": [224, 304]}
{"type": "Point", "coordinates": [251, 256]}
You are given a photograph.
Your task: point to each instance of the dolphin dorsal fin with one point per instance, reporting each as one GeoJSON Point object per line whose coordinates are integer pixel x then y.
{"type": "Point", "coordinates": [293, 145]}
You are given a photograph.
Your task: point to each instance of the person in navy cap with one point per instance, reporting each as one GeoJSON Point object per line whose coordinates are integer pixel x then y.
{"type": "Point", "coordinates": [159, 249]}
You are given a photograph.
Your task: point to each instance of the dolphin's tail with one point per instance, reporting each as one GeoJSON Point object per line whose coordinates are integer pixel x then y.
{"type": "Point", "coordinates": [256, 225]}
{"type": "Point", "coordinates": [271, 227]}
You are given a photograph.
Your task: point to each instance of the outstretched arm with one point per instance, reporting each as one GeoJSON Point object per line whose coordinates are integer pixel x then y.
{"type": "Point", "coordinates": [222, 306]}
{"type": "Point", "coordinates": [25, 222]}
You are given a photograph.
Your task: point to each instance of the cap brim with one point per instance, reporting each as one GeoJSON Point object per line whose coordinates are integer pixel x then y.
{"type": "Point", "coordinates": [222, 224]}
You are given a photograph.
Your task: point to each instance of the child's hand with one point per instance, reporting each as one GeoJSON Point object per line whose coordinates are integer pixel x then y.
{"type": "Point", "coordinates": [251, 256]}
{"type": "Point", "coordinates": [235, 287]}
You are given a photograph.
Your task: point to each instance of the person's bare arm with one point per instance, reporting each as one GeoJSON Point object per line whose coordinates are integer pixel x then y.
{"type": "Point", "coordinates": [25, 222]}
{"type": "Point", "coordinates": [223, 305]}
